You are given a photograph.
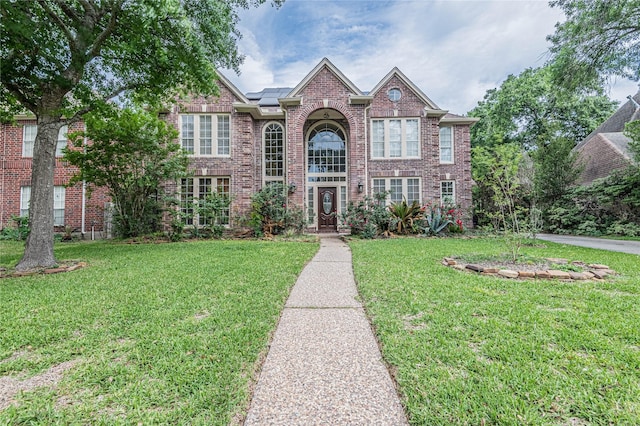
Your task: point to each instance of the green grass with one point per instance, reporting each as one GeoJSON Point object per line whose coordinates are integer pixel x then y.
{"type": "Point", "coordinates": [471, 349]}
{"type": "Point", "coordinates": [162, 334]}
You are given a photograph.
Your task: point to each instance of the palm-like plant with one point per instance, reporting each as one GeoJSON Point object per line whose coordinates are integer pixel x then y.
{"type": "Point", "coordinates": [405, 216]}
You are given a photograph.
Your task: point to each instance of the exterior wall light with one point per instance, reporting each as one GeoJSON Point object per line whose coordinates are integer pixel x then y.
{"type": "Point", "coordinates": [360, 187]}
{"type": "Point", "coordinates": [292, 188]}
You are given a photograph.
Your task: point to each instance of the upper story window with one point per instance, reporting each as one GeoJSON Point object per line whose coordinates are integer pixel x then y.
{"type": "Point", "coordinates": [273, 153]}
{"type": "Point", "coordinates": [395, 138]}
{"type": "Point", "coordinates": [326, 149]}
{"type": "Point", "coordinates": [394, 94]}
{"type": "Point", "coordinates": [446, 144]}
{"type": "Point", "coordinates": [206, 134]}
{"type": "Point", "coordinates": [29, 138]}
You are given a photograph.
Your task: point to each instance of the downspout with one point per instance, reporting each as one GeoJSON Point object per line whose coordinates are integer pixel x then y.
{"type": "Point", "coordinates": [84, 191]}
{"type": "Point", "coordinates": [2, 167]}
{"type": "Point", "coordinates": [366, 151]}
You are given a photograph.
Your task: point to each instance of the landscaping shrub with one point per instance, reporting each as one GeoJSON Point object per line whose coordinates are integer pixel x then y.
{"type": "Point", "coordinates": [369, 217]}
{"type": "Point", "coordinates": [19, 233]}
{"type": "Point", "coordinates": [270, 214]}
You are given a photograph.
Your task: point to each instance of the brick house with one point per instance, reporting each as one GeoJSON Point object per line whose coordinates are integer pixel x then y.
{"type": "Point", "coordinates": [327, 140]}
{"type": "Point", "coordinates": [73, 208]}
{"type": "Point", "coordinates": [607, 148]}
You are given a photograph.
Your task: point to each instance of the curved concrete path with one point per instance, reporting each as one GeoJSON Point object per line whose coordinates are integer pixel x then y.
{"type": "Point", "coordinates": [623, 246]}
{"type": "Point", "coordinates": [324, 366]}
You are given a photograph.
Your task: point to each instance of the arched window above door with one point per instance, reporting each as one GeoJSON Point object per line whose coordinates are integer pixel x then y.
{"type": "Point", "coordinates": [326, 149]}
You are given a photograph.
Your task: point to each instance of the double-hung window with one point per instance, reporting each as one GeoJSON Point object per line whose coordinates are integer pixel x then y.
{"type": "Point", "coordinates": [58, 203]}
{"type": "Point", "coordinates": [194, 189]}
{"type": "Point", "coordinates": [395, 138]}
{"type": "Point", "coordinates": [446, 144]}
{"type": "Point", "coordinates": [399, 189]}
{"type": "Point", "coordinates": [206, 134]}
{"type": "Point", "coordinates": [29, 139]}
{"type": "Point", "coordinates": [448, 192]}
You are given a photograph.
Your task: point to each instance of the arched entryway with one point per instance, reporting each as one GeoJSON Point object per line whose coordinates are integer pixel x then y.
{"type": "Point", "coordinates": [326, 162]}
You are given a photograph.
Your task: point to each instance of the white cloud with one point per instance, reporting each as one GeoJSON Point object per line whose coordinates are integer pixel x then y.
{"type": "Point", "coordinates": [453, 50]}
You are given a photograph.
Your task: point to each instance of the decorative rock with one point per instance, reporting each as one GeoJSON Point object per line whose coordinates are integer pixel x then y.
{"type": "Point", "coordinates": [577, 276]}
{"type": "Point", "coordinates": [588, 275]}
{"type": "Point", "coordinates": [526, 274]}
{"type": "Point", "coordinates": [476, 268]}
{"type": "Point", "coordinates": [598, 266]}
{"type": "Point", "coordinates": [543, 274]}
{"type": "Point", "coordinates": [561, 275]}
{"type": "Point", "coordinates": [608, 271]}
{"type": "Point", "coordinates": [557, 261]}
{"type": "Point", "coordinates": [599, 273]}
{"type": "Point", "coordinates": [450, 261]}
{"type": "Point", "coordinates": [491, 270]}
{"type": "Point", "coordinates": [508, 273]}
{"type": "Point", "coordinates": [459, 267]}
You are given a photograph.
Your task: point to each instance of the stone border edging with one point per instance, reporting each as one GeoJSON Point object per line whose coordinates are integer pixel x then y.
{"type": "Point", "coordinates": [594, 270]}
{"type": "Point", "coordinates": [63, 268]}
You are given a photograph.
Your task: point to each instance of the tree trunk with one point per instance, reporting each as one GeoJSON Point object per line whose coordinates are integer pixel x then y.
{"type": "Point", "coordinates": [38, 252]}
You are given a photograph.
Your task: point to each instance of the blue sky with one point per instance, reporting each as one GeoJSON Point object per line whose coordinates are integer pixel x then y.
{"type": "Point", "coordinates": [454, 50]}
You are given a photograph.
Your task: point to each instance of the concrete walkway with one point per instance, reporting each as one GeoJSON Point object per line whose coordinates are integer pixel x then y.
{"type": "Point", "coordinates": [324, 366]}
{"type": "Point", "coordinates": [623, 246]}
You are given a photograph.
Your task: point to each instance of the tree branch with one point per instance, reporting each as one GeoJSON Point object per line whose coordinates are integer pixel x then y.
{"type": "Point", "coordinates": [59, 23]}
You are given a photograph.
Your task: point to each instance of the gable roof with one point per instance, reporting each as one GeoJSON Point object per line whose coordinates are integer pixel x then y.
{"type": "Point", "coordinates": [395, 72]}
{"type": "Point", "coordinates": [325, 63]}
{"type": "Point", "coordinates": [236, 92]}
{"type": "Point", "coordinates": [612, 129]}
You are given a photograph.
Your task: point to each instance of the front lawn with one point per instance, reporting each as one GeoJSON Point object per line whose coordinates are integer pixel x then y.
{"type": "Point", "coordinates": [472, 349]}
{"type": "Point", "coordinates": [149, 334]}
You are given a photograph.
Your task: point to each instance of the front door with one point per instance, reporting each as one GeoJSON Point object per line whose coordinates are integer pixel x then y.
{"type": "Point", "coordinates": [327, 211]}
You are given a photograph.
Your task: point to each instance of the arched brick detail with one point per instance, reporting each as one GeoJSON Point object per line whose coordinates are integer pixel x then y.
{"type": "Point", "coordinates": [307, 110]}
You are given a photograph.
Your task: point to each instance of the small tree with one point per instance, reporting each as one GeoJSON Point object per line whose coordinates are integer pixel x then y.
{"type": "Point", "coordinates": [496, 172]}
{"type": "Point", "coordinates": [132, 154]}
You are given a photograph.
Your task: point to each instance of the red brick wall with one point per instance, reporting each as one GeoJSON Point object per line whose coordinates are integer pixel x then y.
{"type": "Point", "coordinates": [15, 172]}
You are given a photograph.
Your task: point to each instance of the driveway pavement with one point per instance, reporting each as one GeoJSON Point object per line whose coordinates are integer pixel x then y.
{"type": "Point", "coordinates": [631, 247]}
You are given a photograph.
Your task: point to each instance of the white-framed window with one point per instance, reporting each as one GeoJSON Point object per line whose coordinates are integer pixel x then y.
{"type": "Point", "coordinates": [25, 198]}
{"type": "Point", "coordinates": [273, 154]}
{"type": "Point", "coordinates": [400, 188]}
{"type": "Point", "coordinates": [28, 139]}
{"type": "Point", "coordinates": [193, 189]}
{"type": "Point", "coordinates": [446, 144]}
{"type": "Point", "coordinates": [395, 138]}
{"type": "Point", "coordinates": [62, 140]}
{"type": "Point", "coordinates": [29, 132]}
{"type": "Point", "coordinates": [206, 134]}
{"type": "Point", "coordinates": [448, 192]}
{"type": "Point", "coordinates": [59, 193]}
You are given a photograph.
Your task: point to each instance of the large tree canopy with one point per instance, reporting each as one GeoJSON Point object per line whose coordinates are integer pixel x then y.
{"type": "Point", "coordinates": [61, 58]}
{"type": "Point", "coordinates": [530, 110]}
{"type": "Point", "coordinates": [599, 39]}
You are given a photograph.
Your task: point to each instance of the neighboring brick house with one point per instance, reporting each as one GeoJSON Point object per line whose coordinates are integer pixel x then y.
{"type": "Point", "coordinates": [607, 148]}
{"type": "Point", "coordinates": [327, 140]}
{"type": "Point", "coordinates": [73, 208]}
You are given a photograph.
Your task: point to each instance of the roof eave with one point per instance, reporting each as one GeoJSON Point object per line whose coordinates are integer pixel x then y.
{"type": "Point", "coordinates": [360, 99]}
{"type": "Point", "coordinates": [257, 112]}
